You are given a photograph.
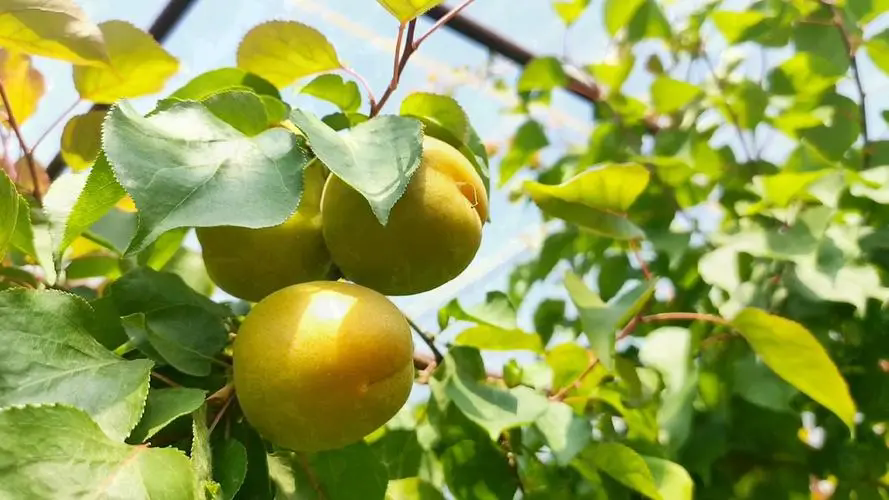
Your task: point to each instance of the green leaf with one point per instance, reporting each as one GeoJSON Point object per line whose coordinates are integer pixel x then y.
{"type": "Point", "coordinates": [782, 188]}
{"type": "Point", "coordinates": [649, 21]}
{"type": "Point", "coordinates": [412, 489]}
{"type": "Point", "coordinates": [144, 290]}
{"type": "Point", "coordinates": [217, 80]}
{"type": "Point", "coordinates": [332, 88]}
{"type": "Point", "coordinates": [668, 350]}
{"type": "Point", "coordinates": [669, 95]}
{"type": "Point", "coordinates": [796, 356]}
{"type": "Point", "coordinates": [621, 463]}
{"type": "Point", "coordinates": [184, 167]}
{"type": "Point", "coordinates": [496, 310]}
{"type": "Point", "coordinates": [75, 201]}
{"type": "Point", "coordinates": [739, 27]}
{"type": "Point", "coordinates": [349, 473]}
{"type": "Point", "coordinates": [406, 10]}
{"type": "Point", "coordinates": [50, 356]}
{"type": "Point", "coordinates": [672, 480]}
{"type": "Point", "coordinates": [542, 73]}
{"type": "Point", "coordinates": [164, 406]}
{"type": "Point", "coordinates": [619, 13]}
{"type": "Point", "coordinates": [601, 321]}
{"type": "Point", "coordinates": [138, 66]}
{"type": "Point", "coordinates": [400, 452]}
{"type": "Point", "coordinates": [499, 339]}
{"type": "Point", "coordinates": [58, 452]}
{"type": "Point", "coordinates": [748, 102]}
{"type": "Point", "coordinates": [284, 51]}
{"type": "Point", "coordinates": [57, 29]}
{"type": "Point", "coordinates": [755, 382]}
{"type": "Point", "coordinates": [229, 467]}
{"type": "Point", "coordinates": [805, 73]}
{"type": "Point", "coordinates": [527, 141]}
{"type": "Point", "coordinates": [9, 208]}
{"type": "Point", "coordinates": [185, 336]}
{"type": "Point", "coordinates": [570, 10]}
{"type": "Point", "coordinates": [377, 158]}
{"type": "Point", "coordinates": [82, 139]}
{"type": "Point", "coordinates": [493, 409]}
{"type": "Point", "coordinates": [475, 470]}
{"type": "Point", "coordinates": [867, 10]}
{"type": "Point", "coordinates": [596, 199]}
{"type": "Point", "coordinates": [445, 120]}
{"type": "Point", "coordinates": [245, 111]}
{"type": "Point", "coordinates": [565, 433]}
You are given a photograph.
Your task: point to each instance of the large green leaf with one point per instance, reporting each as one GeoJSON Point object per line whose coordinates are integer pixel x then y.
{"type": "Point", "coordinates": [600, 320]}
{"type": "Point", "coordinates": [51, 28]}
{"type": "Point", "coordinates": [488, 337]}
{"type": "Point", "coordinates": [9, 211]}
{"type": "Point", "coordinates": [229, 467]}
{"type": "Point", "coordinates": [596, 200]}
{"type": "Point", "coordinates": [284, 51]}
{"type": "Point", "coordinates": [144, 290]}
{"type": "Point", "coordinates": [672, 480]}
{"type": "Point", "coordinates": [162, 407]}
{"type": "Point", "coordinates": [59, 452]}
{"type": "Point", "coordinates": [492, 408]}
{"type": "Point", "coordinates": [476, 470]}
{"type": "Point", "coordinates": [75, 201]}
{"type": "Point", "coordinates": [400, 452]}
{"type": "Point", "coordinates": [621, 463]}
{"type": "Point", "coordinates": [183, 167]}
{"type": "Point", "coordinates": [405, 10]}
{"type": "Point", "coordinates": [619, 13]}
{"type": "Point", "coordinates": [221, 79]}
{"type": "Point", "coordinates": [50, 356]}
{"type": "Point", "coordinates": [138, 66]}
{"type": "Point", "coordinates": [797, 357]}
{"type": "Point", "coordinates": [349, 473]}
{"type": "Point", "coordinates": [377, 158]}
{"type": "Point", "coordinates": [566, 434]}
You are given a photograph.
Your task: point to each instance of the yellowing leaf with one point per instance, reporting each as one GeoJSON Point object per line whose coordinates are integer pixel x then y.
{"type": "Point", "coordinates": [139, 66]}
{"type": "Point", "coordinates": [51, 28]}
{"type": "Point", "coordinates": [795, 355]}
{"type": "Point", "coordinates": [595, 200]}
{"type": "Point", "coordinates": [405, 10]}
{"type": "Point", "coordinates": [284, 51]}
{"type": "Point", "coordinates": [82, 139]}
{"type": "Point", "coordinates": [126, 204]}
{"type": "Point", "coordinates": [23, 84]}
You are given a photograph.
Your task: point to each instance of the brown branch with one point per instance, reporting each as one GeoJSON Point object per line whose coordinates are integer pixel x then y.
{"type": "Point", "coordinates": [363, 82]}
{"type": "Point", "coordinates": [851, 48]}
{"type": "Point", "coordinates": [561, 393]}
{"type": "Point", "coordinates": [671, 316]}
{"type": "Point", "coordinates": [442, 21]}
{"type": "Point", "coordinates": [221, 412]}
{"type": "Point", "coordinates": [32, 166]}
{"type": "Point", "coordinates": [634, 246]}
{"type": "Point", "coordinates": [165, 379]}
{"type": "Point", "coordinates": [313, 480]}
{"type": "Point", "coordinates": [427, 339]}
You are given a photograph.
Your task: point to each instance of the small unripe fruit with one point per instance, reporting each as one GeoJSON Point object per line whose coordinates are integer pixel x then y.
{"type": "Point", "coordinates": [252, 263]}
{"type": "Point", "coordinates": [433, 232]}
{"type": "Point", "coordinates": [320, 365]}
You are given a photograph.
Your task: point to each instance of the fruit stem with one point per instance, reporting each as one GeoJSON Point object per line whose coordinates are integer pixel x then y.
{"type": "Point", "coordinates": [427, 338]}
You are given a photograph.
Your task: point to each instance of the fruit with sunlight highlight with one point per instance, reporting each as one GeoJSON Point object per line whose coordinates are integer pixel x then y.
{"type": "Point", "coordinates": [252, 263]}
{"type": "Point", "coordinates": [433, 232]}
{"type": "Point", "coordinates": [320, 365]}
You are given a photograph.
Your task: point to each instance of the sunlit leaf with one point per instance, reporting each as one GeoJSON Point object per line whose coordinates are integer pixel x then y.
{"type": "Point", "coordinates": [332, 88]}
{"type": "Point", "coordinates": [221, 79]}
{"type": "Point", "coordinates": [596, 200]}
{"type": "Point", "coordinates": [671, 479]}
{"type": "Point", "coordinates": [621, 463]}
{"type": "Point", "coordinates": [9, 211]}
{"type": "Point", "coordinates": [669, 95]}
{"type": "Point", "coordinates": [284, 51]}
{"type": "Point", "coordinates": [542, 73]}
{"type": "Point", "coordinates": [619, 13]}
{"type": "Point", "coordinates": [570, 10]}
{"type": "Point", "coordinates": [797, 357]}
{"type": "Point", "coordinates": [24, 85]}
{"type": "Point", "coordinates": [739, 26]}
{"type": "Point", "coordinates": [53, 28]}
{"type": "Point", "coordinates": [82, 139]}
{"type": "Point", "coordinates": [405, 10]}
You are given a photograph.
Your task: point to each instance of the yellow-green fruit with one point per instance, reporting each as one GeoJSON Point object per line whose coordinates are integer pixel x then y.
{"type": "Point", "coordinates": [320, 365]}
{"type": "Point", "coordinates": [252, 263]}
{"type": "Point", "coordinates": [433, 233]}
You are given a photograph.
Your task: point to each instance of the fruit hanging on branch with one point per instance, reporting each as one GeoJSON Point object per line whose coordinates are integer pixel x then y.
{"type": "Point", "coordinates": [322, 364]}
{"type": "Point", "coordinates": [433, 231]}
{"type": "Point", "coordinates": [252, 263]}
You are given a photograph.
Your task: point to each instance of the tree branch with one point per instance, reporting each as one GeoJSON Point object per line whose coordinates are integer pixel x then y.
{"type": "Point", "coordinates": [670, 316]}
{"type": "Point", "coordinates": [851, 48]}
{"type": "Point", "coordinates": [439, 357]}
{"type": "Point", "coordinates": [363, 82]}
{"type": "Point", "coordinates": [32, 166]}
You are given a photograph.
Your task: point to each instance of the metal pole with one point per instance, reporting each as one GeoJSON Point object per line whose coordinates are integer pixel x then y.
{"type": "Point", "coordinates": [160, 29]}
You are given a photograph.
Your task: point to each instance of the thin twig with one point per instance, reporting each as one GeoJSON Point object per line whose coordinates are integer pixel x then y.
{"type": "Point", "coordinates": [846, 37]}
{"type": "Point", "coordinates": [442, 21]}
{"type": "Point", "coordinates": [165, 379]}
{"type": "Point", "coordinates": [634, 246]}
{"type": "Point", "coordinates": [427, 339]}
{"type": "Point", "coordinates": [670, 316]}
{"type": "Point", "coordinates": [363, 82]}
{"type": "Point", "coordinates": [32, 166]}
{"type": "Point", "coordinates": [316, 485]}
{"type": "Point", "coordinates": [54, 124]}
{"type": "Point", "coordinates": [561, 393]}
{"type": "Point", "coordinates": [733, 117]}
{"type": "Point", "coordinates": [396, 62]}
{"type": "Point", "coordinates": [221, 412]}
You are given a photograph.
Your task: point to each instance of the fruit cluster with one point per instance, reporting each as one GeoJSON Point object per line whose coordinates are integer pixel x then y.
{"type": "Point", "coordinates": [333, 358]}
